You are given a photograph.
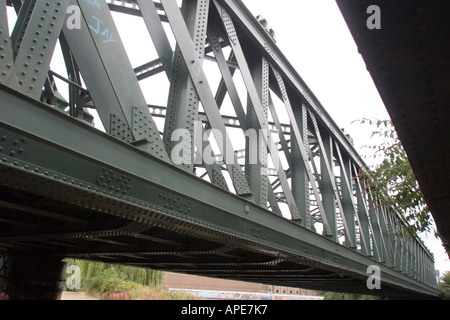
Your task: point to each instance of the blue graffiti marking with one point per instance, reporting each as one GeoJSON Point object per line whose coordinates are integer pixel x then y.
{"type": "Point", "coordinates": [104, 33]}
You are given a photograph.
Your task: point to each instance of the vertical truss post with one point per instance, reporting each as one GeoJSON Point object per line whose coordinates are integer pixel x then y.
{"type": "Point", "coordinates": [432, 273]}
{"type": "Point", "coordinates": [419, 263]}
{"type": "Point", "coordinates": [258, 108]}
{"type": "Point", "coordinates": [303, 151]}
{"type": "Point", "coordinates": [408, 255]}
{"type": "Point", "coordinates": [412, 267]}
{"type": "Point", "coordinates": [256, 153]}
{"type": "Point", "coordinates": [416, 260]}
{"type": "Point", "coordinates": [328, 177]}
{"type": "Point", "coordinates": [326, 184]}
{"type": "Point", "coordinates": [399, 248]}
{"type": "Point", "coordinates": [424, 264]}
{"type": "Point", "coordinates": [347, 187]}
{"type": "Point", "coordinates": [413, 261]}
{"type": "Point", "coordinates": [403, 251]}
{"type": "Point", "coordinates": [229, 86]}
{"type": "Point", "coordinates": [370, 227]}
{"type": "Point", "coordinates": [183, 103]}
{"type": "Point", "coordinates": [378, 231]}
{"type": "Point", "coordinates": [420, 255]}
{"type": "Point", "coordinates": [300, 182]}
{"type": "Point", "coordinates": [427, 270]}
{"type": "Point", "coordinates": [409, 242]}
{"type": "Point", "coordinates": [393, 236]}
{"type": "Point", "coordinates": [348, 205]}
{"type": "Point", "coordinates": [75, 102]}
{"type": "Point", "coordinates": [387, 235]}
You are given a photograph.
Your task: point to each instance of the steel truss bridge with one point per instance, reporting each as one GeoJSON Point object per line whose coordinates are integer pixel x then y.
{"type": "Point", "coordinates": [239, 173]}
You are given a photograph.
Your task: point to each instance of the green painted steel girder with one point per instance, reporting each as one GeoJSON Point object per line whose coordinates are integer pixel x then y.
{"type": "Point", "coordinates": [46, 152]}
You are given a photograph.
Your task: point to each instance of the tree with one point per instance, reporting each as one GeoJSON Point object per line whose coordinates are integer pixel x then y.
{"type": "Point", "coordinates": [444, 286]}
{"type": "Point", "coordinates": [98, 273]}
{"type": "Point", "coordinates": [391, 178]}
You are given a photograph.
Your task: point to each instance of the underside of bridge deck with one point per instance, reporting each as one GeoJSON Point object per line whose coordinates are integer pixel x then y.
{"type": "Point", "coordinates": [408, 60]}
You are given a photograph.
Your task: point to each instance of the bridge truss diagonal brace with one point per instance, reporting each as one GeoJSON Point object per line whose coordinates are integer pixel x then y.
{"type": "Point", "coordinates": [275, 57]}
{"type": "Point", "coordinates": [113, 87]}
{"type": "Point", "coordinates": [379, 233]}
{"type": "Point", "coordinates": [358, 210]}
{"type": "Point", "coordinates": [196, 72]}
{"type": "Point", "coordinates": [34, 39]}
{"type": "Point", "coordinates": [214, 170]}
{"type": "Point", "coordinates": [256, 169]}
{"type": "Point", "coordinates": [347, 217]}
{"type": "Point", "coordinates": [258, 109]}
{"type": "Point", "coordinates": [372, 248]}
{"type": "Point", "coordinates": [300, 181]}
{"type": "Point", "coordinates": [7, 66]}
{"type": "Point", "coordinates": [228, 86]}
{"type": "Point", "coordinates": [176, 71]}
{"type": "Point", "coordinates": [157, 33]}
{"type": "Point", "coordinates": [303, 150]}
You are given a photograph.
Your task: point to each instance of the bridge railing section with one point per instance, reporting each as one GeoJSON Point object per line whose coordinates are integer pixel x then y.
{"type": "Point", "coordinates": [204, 87]}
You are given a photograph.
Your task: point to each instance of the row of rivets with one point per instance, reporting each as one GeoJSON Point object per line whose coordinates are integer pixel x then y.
{"type": "Point", "coordinates": [37, 45]}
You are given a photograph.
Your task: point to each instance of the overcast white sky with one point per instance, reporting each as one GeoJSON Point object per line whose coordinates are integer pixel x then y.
{"type": "Point", "coordinates": [315, 39]}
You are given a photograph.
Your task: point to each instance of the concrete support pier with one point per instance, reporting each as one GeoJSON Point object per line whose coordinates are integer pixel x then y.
{"type": "Point", "coordinates": [31, 277]}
